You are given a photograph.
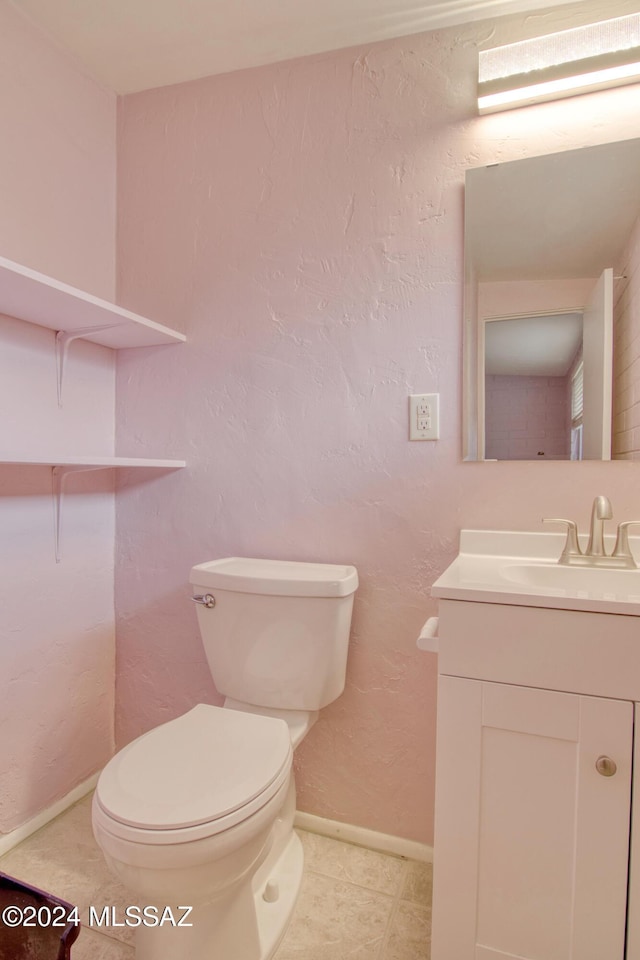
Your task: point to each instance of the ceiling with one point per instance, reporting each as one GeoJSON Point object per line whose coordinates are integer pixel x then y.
{"type": "Point", "coordinates": [131, 45]}
{"type": "Point", "coordinates": [533, 346]}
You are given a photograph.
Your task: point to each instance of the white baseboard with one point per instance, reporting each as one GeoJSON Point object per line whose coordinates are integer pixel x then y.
{"type": "Point", "coordinates": [349, 833]}
{"type": "Point", "coordinates": [10, 840]}
{"type": "Point", "coordinates": [383, 842]}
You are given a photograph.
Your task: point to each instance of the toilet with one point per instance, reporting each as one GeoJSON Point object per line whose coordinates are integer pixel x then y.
{"type": "Point", "coordinates": [198, 813]}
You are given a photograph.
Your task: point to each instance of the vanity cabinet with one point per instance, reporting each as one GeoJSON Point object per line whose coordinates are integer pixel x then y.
{"type": "Point", "coordinates": [534, 784]}
{"type": "Point", "coordinates": [531, 841]}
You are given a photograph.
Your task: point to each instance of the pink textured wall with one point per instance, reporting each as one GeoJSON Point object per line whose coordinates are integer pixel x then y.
{"type": "Point", "coordinates": [626, 352]}
{"type": "Point", "coordinates": [527, 417]}
{"type": "Point", "coordinates": [303, 224]}
{"type": "Point", "coordinates": [57, 215]}
{"type": "Point", "coordinates": [57, 172]}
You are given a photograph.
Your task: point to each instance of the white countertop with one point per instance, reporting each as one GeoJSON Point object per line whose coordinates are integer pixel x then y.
{"type": "Point", "coordinates": [520, 568]}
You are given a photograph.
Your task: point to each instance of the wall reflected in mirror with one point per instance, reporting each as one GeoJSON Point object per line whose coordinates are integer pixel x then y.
{"type": "Point", "coordinates": [552, 307]}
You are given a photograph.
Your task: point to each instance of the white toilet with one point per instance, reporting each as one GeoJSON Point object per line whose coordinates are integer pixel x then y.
{"type": "Point", "coordinates": [199, 811]}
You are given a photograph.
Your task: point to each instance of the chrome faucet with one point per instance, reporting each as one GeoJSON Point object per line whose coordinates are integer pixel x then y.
{"type": "Point", "coordinates": [600, 512]}
{"type": "Point", "coordinates": [595, 554]}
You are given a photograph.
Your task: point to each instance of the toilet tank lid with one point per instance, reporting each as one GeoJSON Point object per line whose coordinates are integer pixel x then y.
{"type": "Point", "coordinates": [283, 578]}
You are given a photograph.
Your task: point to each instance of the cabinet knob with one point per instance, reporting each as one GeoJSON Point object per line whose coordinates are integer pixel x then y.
{"type": "Point", "coordinates": [606, 767]}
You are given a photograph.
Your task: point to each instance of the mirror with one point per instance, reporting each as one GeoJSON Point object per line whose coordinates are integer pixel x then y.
{"type": "Point", "coordinates": [551, 244]}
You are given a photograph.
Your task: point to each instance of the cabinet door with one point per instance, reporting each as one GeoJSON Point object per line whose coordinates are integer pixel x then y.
{"type": "Point", "coordinates": [531, 842]}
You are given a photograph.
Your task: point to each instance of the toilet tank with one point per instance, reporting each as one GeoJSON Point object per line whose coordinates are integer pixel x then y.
{"type": "Point", "coordinates": [279, 631]}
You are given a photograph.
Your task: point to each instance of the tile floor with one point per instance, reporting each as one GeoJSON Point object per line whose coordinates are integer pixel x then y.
{"type": "Point", "coordinates": [354, 903]}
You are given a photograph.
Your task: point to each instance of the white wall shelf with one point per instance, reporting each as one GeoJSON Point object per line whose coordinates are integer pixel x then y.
{"type": "Point", "coordinates": [62, 467]}
{"type": "Point", "coordinates": [37, 298]}
{"type": "Point", "coordinates": [92, 463]}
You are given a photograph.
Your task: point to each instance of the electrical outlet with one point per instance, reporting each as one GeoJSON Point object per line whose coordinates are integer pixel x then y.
{"type": "Point", "coordinates": [424, 416]}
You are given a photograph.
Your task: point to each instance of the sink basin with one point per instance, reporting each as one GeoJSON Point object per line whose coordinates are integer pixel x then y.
{"type": "Point", "coordinates": [590, 581]}
{"type": "Point", "coordinates": [512, 567]}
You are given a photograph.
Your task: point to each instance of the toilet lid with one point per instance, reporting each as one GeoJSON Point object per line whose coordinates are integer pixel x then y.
{"type": "Point", "coordinates": [196, 769]}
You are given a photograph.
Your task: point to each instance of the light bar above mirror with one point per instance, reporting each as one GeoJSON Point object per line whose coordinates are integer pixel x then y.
{"type": "Point", "coordinates": [593, 57]}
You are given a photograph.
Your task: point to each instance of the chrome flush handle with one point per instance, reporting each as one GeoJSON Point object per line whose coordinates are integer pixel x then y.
{"type": "Point", "coordinates": [205, 599]}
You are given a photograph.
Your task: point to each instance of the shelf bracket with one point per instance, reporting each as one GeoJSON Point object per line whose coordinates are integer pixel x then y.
{"type": "Point", "coordinates": [59, 476]}
{"type": "Point", "coordinates": [64, 339]}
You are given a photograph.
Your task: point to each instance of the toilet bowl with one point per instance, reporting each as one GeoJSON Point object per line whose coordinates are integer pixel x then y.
{"type": "Point", "coordinates": [196, 816]}
{"type": "Point", "coordinates": [187, 814]}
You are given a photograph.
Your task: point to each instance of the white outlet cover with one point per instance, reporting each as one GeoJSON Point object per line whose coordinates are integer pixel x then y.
{"type": "Point", "coordinates": [424, 416]}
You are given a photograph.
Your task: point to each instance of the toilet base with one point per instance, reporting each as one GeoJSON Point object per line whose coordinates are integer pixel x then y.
{"type": "Point", "coordinates": [284, 878]}
{"type": "Point", "coordinates": [248, 923]}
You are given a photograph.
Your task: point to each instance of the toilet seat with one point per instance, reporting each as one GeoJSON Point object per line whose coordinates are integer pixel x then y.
{"type": "Point", "coordinates": [195, 776]}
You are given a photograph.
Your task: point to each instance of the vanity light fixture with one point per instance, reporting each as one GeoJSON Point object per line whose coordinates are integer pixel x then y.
{"type": "Point", "coordinates": [564, 64]}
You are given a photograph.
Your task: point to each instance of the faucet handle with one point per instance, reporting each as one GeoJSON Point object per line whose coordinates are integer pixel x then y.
{"type": "Point", "coordinates": [622, 548]}
{"type": "Point", "coordinates": [571, 547]}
